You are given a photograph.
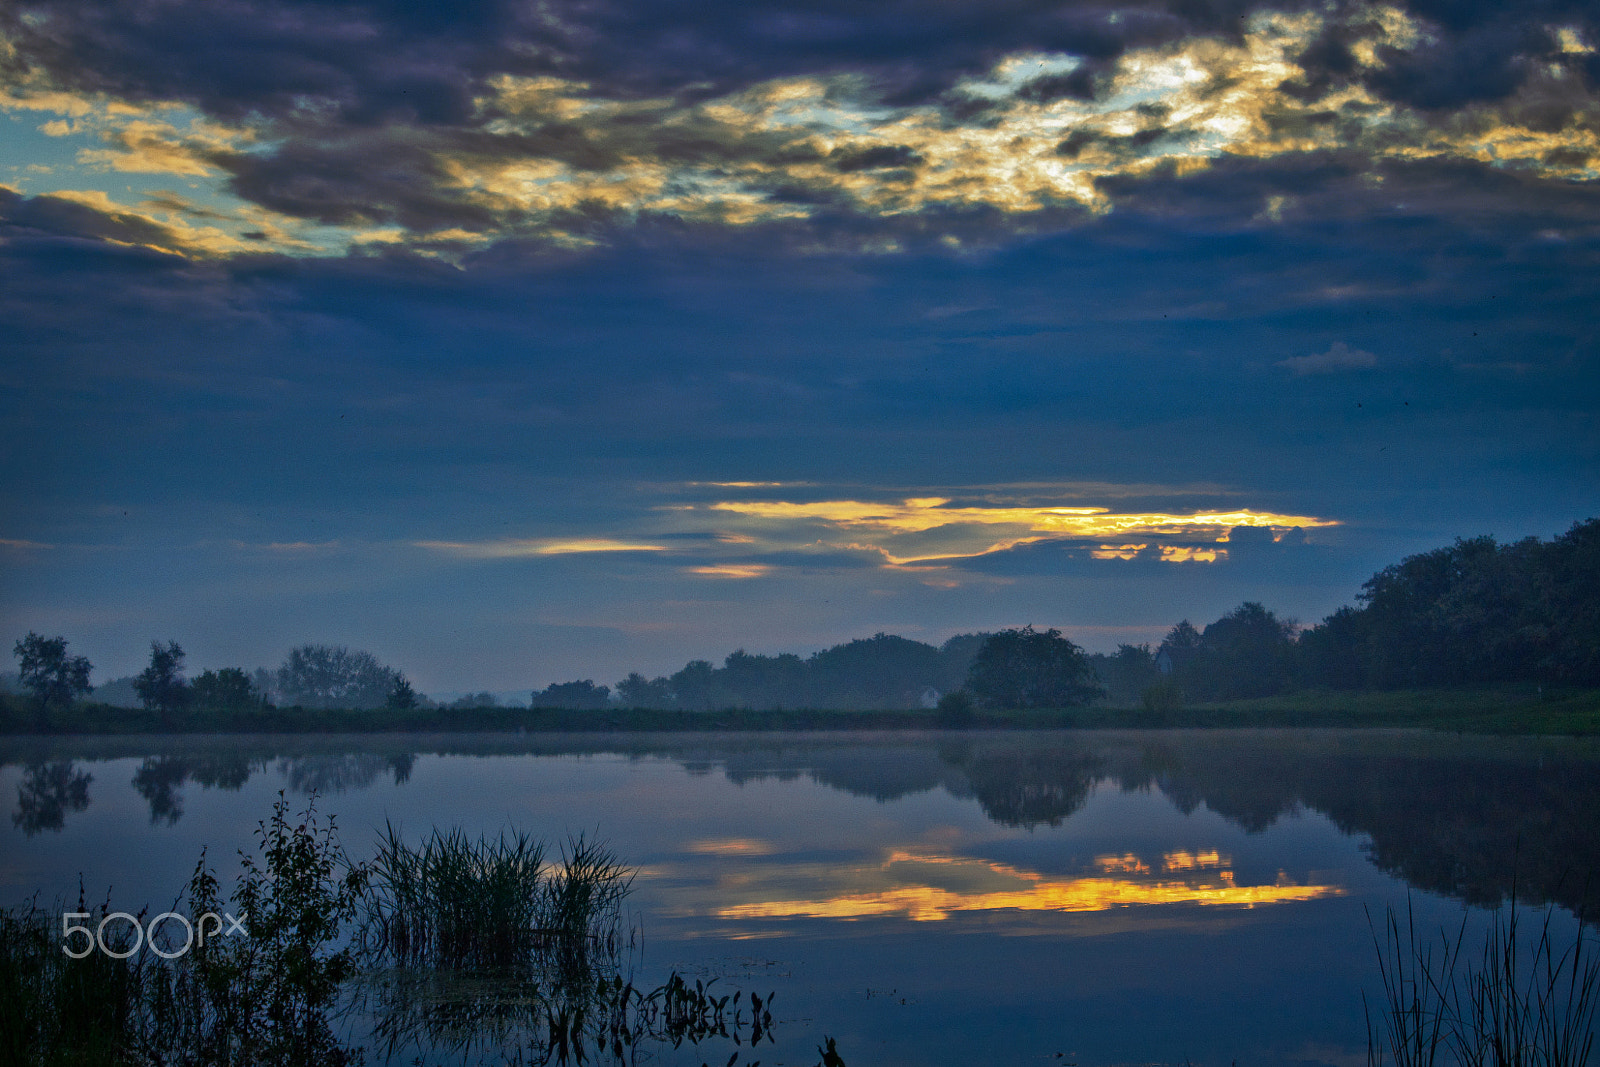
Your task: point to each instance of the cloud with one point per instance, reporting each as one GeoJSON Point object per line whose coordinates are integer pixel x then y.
{"type": "Point", "coordinates": [514, 548]}
{"type": "Point", "coordinates": [557, 124]}
{"type": "Point", "coordinates": [731, 570]}
{"type": "Point", "coordinates": [1340, 357]}
{"type": "Point", "coordinates": [926, 529]}
{"type": "Point", "coordinates": [17, 545]}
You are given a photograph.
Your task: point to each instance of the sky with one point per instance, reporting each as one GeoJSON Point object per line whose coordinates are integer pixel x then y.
{"type": "Point", "coordinates": [525, 342]}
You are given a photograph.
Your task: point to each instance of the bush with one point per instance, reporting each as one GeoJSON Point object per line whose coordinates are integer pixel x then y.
{"type": "Point", "coordinates": [1165, 696]}
{"type": "Point", "coordinates": [955, 710]}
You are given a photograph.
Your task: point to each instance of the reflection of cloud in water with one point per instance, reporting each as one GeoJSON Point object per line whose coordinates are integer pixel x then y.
{"type": "Point", "coordinates": [731, 846]}
{"type": "Point", "coordinates": [929, 887]}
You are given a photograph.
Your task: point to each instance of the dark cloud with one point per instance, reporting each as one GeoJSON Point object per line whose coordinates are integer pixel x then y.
{"type": "Point", "coordinates": [365, 62]}
{"type": "Point", "coordinates": [371, 112]}
{"type": "Point", "coordinates": [63, 217]}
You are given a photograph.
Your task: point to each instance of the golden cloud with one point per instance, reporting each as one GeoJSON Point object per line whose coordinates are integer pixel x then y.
{"type": "Point", "coordinates": [967, 530]}
{"type": "Point", "coordinates": [731, 570]}
{"type": "Point", "coordinates": [518, 548]}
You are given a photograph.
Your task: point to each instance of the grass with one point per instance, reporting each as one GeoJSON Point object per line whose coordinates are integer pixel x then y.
{"type": "Point", "coordinates": [57, 1010]}
{"type": "Point", "coordinates": [1514, 1005]}
{"type": "Point", "coordinates": [482, 945]}
{"type": "Point", "coordinates": [458, 903]}
{"type": "Point", "coordinates": [1512, 709]}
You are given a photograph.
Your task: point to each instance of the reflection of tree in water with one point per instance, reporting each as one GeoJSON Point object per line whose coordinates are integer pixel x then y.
{"type": "Point", "coordinates": [1462, 826]}
{"type": "Point", "coordinates": [878, 771]}
{"type": "Point", "coordinates": [1459, 824]}
{"type": "Point", "coordinates": [1250, 792]}
{"type": "Point", "coordinates": [1029, 785]}
{"type": "Point", "coordinates": [159, 780]}
{"type": "Point", "coordinates": [1469, 828]}
{"type": "Point", "coordinates": [48, 791]}
{"type": "Point", "coordinates": [335, 774]}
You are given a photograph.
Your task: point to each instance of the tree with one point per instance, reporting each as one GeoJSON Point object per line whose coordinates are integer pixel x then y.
{"type": "Point", "coordinates": [228, 688]}
{"type": "Point", "coordinates": [578, 696]}
{"type": "Point", "coordinates": [1180, 645]}
{"type": "Point", "coordinates": [881, 671]}
{"type": "Point", "coordinates": [161, 685]}
{"type": "Point", "coordinates": [1127, 673]}
{"type": "Point", "coordinates": [695, 686]}
{"type": "Point", "coordinates": [1029, 668]}
{"type": "Point", "coordinates": [637, 691]}
{"type": "Point", "coordinates": [401, 696]}
{"type": "Point", "coordinates": [55, 677]}
{"type": "Point", "coordinates": [332, 676]}
{"type": "Point", "coordinates": [1249, 652]}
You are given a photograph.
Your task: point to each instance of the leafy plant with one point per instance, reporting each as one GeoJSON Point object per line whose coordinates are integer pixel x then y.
{"type": "Point", "coordinates": [268, 996]}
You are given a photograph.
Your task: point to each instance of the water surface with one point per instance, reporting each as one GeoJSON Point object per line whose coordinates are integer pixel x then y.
{"type": "Point", "coordinates": [965, 898]}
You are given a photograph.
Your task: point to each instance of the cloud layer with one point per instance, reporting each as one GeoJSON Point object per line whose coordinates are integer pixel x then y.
{"type": "Point", "coordinates": [312, 128]}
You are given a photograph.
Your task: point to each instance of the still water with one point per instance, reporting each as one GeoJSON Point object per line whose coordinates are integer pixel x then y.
{"type": "Point", "coordinates": [975, 898]}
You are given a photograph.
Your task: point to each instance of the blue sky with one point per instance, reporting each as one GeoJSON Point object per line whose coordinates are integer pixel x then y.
{"type": "Point", "coordinates": [522, 345]}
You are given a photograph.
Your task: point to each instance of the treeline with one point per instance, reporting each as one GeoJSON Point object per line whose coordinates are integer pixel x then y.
{"type": "Point", "coordinates": [1474, 613]}
{"type": "Point", "coordinates": [311, 676]}
{"type": "Point", "coordinates": [882, 671]}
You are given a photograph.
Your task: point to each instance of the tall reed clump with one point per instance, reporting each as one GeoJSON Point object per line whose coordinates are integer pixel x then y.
{"type": "Point", "coordinates": [56, 1009]}
{"type": "Point", "coordinates": [1515, 1005]}
{"type": "Point", "coordinates": [491, 903]}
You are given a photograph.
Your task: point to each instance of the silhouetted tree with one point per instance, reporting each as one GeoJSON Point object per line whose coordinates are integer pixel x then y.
{"type": "Point", "coordinates": [226, 689]}
{"type": "Point", "coordinates": [1178, 647]}
{"type": "Point", "coordinates": [576, 696]}
{"type": "Point", "coordinates": [161, 685]}
{"type": "Point", "coordinates": [1473, 612]}
{"type": "Point", "coordinates": [955, 661]}
{"type": "Point", "coordinates": [328, 676]}
{"type": "Point", "coordinates": [695, 686]}
{"type": "Point", "coordinates": [882, 671]}
{"type": "Point", "coordinates": [401, 696]}
{"type": "Point", "coordinates": [1127, 673]}
{"type": "Point", "coordinates": [1249, 652]}
{"type": "Point", "coordinates": [1030, 668]}
{"type": "Point", "coordinates": [1572, 590]}
{"type": "Point", "coordinates": [55, 677]}
{"type": "Point", "coordinates": [955, 710]}
{"type": "Point", "coordinates": [636, 691]}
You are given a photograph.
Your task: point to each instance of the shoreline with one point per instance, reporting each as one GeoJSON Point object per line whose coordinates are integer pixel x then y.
{"type": "Point", "coordinates": [1521, 710]}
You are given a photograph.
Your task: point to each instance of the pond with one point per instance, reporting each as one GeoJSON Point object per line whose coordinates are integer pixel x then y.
{"type": "Point", "coordinates": [1156, 897]}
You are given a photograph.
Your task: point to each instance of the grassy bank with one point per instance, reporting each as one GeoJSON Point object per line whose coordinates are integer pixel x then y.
{"type": "Point", "coordinates": [1502, 710]}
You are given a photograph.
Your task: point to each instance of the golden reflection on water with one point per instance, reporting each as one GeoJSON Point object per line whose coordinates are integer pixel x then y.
{"type": "Point", "coordinates": [928, 887]}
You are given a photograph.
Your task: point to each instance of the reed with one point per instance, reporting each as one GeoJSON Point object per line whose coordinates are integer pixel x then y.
{"type": "Point", "coordinates": [56, 1010]}
{"type": "Point", "coordinates": [1515, 1004]}
{"type": "Point", "coordinates": [459, 903]}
